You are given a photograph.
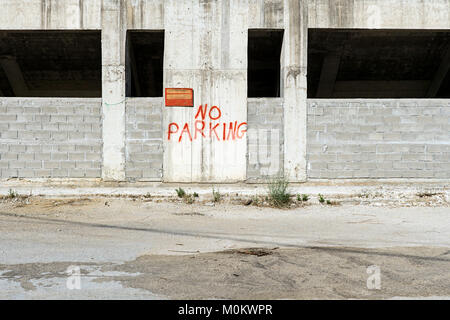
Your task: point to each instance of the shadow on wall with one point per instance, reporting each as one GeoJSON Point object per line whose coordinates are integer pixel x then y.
{"type": "Point", "coordinates": [50, 64]}
{"type": "Point", "coordinates": [378, 64]}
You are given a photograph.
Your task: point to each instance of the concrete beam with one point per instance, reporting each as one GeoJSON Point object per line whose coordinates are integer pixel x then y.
{"type": "Point", "coordinates": [114, 28]}
{"type": "Point", "coordinates": [440, 75]}
{"type": "Point", "coordinates": [294, 69]}
{"type": "Point", "coordinates": [14, 75]}
{"type": "Point", "coordinates": [379, 14]}
{"type": "Point", "coordinates": [330, 68]}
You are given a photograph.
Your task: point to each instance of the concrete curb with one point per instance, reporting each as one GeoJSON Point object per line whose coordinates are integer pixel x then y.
{"type": "Point", "coordinates": [337, 189]}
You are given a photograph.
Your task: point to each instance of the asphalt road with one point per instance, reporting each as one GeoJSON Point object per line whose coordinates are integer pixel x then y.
{"type": "Point", "coordinates": [123, 249]}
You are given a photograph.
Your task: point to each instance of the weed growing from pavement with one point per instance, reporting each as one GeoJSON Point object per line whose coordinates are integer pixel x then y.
{"type": "Point", "coordinates": [278, 194]}
{"type": "Point", "coordinates": [180, 192]}
{"type": "Point", "coordinates": [321, 198]}
{"type": "Point", "coordinates": [216, 195]}
{"type": "Point", "coordinates": [189, 198]}
{"type": "Point", "coordinates": [12, 194]}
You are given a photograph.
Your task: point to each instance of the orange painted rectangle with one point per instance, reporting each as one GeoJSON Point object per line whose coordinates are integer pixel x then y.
{"type": "Point", "coordinates": [179, 97]}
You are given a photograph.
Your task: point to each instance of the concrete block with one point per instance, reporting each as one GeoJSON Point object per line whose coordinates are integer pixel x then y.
{"type": "Point", "coordinates": [93, 135]}
{"type": "Point", "coordinates": [25, 156]}
{"type": "Point", "coordinates": [68, 164]}
{"type": "Point", "coordinates": [83, 164]}
{"type": "Point", "coordinates": [66, 147]}
{"type": "Point", "coordinates": [26, 173]}
{"type": "Point", "coordinates": [16, 165]}
{"type": "Point", "coordinates": [9, 156]}
{"type": "Point", "coordinates": [59, 156]}
{"type": "Point", "coordinates": [9, 135]}
{"type": "Point", "coordinates": [58, 119]}
{"type": "Point", "coordinates": [93, 173]}
{"type": "Point", "coordinates": [50, 110]}
{"type": "Point", "coordinates": [42, 135]}
{"type": "Point", "coordinates": [43, 173]}
{"type": "Point", "coordinates": [60, 173]}
{"type": "Point", "coordinates": [133, 173]}
{"type": "Point", "coordinates": [33, 164]}
{"type": "Point", "coordinates": [51, 164]}
{"type": "Point", "coordinates": [77, 156]}
{"type": "Point", "coordinates": [93, 156]}
{"type": "Point", "coordinates": [9, 173]}
{"type": "Point", "coordinates": [36, 148]}
{"type": "Point", "coordinates": [32, 110]}
{"type": "Point", "coordinates": [76, 173]}
{"type": "Point", "coordinates": [76, 135]}
{"type": "Point", "coordinates": [17, 148]}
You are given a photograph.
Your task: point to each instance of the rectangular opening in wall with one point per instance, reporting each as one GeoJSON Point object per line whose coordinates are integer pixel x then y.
{"type": "Point", "coordinates": [378, 63]}
{"type": "Point", "coordinates": [264, 53]}
{"type": "Point", "coordinates": [145, 63]}
{"type": "Point", "coordinates": [50, 63]}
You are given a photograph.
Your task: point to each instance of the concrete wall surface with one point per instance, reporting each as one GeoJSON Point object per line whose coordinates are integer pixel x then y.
{"type": "Point", "coordinates": [205, 48]}
{"type": "Point", "coordinates": [378, 139]}
{"type": "Point", "coordinates": [50, 14]}
{"type": "Point", "coordinates": [379, 14]}
{"type": "Point", "coordinates": [144, 140]}
{"type": "Point", "coordinates": [152, 14]}
{"type": "Point", "coordinates": [50, 138]}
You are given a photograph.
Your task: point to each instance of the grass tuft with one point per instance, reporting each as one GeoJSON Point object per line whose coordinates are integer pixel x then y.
{"type": "Point", "coordinates": [12, 194]}
{"type": "Point", "coordinates": [278, 194]}
{"type": "Point", "coordinates": [321, 198]}
{"type": "Point", "coordinates": [180, 192]}
{"type": "Point", "coordinates": [216, 195]}
{"type": "Point", "coordinates": [302, 197]}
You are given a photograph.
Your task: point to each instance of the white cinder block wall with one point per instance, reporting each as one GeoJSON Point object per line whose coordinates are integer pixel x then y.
{"type": "Point", "coordinates": [50, 138]}
{"type": "Point", "coordinates": [379, 139]}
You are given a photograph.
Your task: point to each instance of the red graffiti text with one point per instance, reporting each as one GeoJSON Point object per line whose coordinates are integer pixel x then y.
{"type": "Point", "coordinates": [207, 125]}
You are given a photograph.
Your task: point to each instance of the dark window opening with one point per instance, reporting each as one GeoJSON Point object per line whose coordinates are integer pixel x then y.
{"type": "Point", "coordinates": [378, 63]}
{"type": "Point", "coordinates": [264, 52]}
{"type": "Point", "coordinates": [50, 64]}
{"type": "Point", "coordinates": [145, 63]}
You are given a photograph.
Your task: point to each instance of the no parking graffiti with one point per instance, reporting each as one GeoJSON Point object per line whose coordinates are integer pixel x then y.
{"type": "Point", "coordinates": [207, 125]}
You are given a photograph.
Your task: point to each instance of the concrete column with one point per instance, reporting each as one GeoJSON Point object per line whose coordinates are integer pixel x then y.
{"type": "Point", "coordinates": [294, 68]}
{"type": "Point", "coordinates": [113, 88]}
{"type": "Point", "coordinates": [206, 50]}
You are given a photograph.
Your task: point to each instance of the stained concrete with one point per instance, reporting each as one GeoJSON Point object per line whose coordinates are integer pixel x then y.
{"type": "Point", "coordinates": [206, 49]}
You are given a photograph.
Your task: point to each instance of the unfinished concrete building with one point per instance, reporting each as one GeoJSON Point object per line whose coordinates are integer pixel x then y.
{"type": "Point", "coordinates": [224, 90]}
